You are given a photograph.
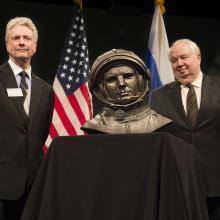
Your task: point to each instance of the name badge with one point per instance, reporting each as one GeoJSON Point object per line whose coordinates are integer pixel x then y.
{"type": "Point", "coordinates": [14, 92]}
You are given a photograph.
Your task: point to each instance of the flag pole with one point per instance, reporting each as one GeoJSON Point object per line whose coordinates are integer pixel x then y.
{"type": "Point", "coordinates": [78, 2]}
{"type": "Point", "coordinates": [161, 5]}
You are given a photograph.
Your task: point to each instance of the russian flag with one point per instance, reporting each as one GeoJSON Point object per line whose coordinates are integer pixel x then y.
{"type": "Point", "coordinates": [157, 52]}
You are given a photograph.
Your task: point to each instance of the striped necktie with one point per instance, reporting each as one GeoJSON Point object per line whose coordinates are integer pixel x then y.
{"type": "Point", "coordinates": [23, 84]}
{"type": "Point", "coordinates": [191, 104]}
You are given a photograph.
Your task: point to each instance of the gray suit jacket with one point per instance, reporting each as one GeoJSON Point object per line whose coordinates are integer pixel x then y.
{"type": "Point", "coordinates": [22, 137]}
{"type": "Point", "coordinates": [205, 135]}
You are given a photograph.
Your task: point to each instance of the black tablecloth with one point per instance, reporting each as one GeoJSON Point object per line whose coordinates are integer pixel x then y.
{"type": "Point", "coordinates": [118, 177]}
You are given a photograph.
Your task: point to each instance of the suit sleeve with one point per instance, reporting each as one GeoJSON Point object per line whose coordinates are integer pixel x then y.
{"type": "Point", "coordinates": [49, 114]}
{"type": "Point", "coordinates": [153, 101]}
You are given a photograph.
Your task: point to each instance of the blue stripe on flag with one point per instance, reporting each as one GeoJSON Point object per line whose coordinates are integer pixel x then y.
{"type": "Point", "coordinates": [151, 64]}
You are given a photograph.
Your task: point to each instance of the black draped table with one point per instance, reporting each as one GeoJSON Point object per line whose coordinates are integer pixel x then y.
{"type": "Point", "coordinates": [118, 177]}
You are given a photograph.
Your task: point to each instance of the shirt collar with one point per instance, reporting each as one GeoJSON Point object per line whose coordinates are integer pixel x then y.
{"type": "Point", "coordinates": [198, 82]}
{"type": "Point", "coordinates": [17, 69]}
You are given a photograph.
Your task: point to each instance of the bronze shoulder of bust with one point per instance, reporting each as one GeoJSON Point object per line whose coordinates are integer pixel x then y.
{"type": "Point", "coordinates": [120, 122]}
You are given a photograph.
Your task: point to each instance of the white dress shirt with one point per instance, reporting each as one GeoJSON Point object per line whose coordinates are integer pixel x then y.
{"type": "Point", "coordinates": [16, 70]}
{"type": "Point", "coordinates": [197, 84]}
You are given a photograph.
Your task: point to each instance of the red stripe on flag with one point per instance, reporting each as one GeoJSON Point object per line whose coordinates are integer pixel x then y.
{"type": "Point", "coordinates": [75, 105]}
{"type": "Point", "coordinates": [45, 149]}
{"type": "Point", "coordinates": [53, 131]}
{"type": "Point", "coordinates": [85, 92]}
{"type": "Point", "coordinates": [64, 118]}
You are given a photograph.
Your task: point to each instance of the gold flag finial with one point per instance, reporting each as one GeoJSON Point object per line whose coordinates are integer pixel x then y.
{"type": "Point", "coordinates": [161, 4]}
{"type": "Point", "coordinates": [79, 2]}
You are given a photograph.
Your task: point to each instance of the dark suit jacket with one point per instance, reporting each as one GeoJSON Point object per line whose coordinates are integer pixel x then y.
{"type": "Point", "coordinates": [22, 137]}
{"type": "Point", "coordinates": [205, 136]}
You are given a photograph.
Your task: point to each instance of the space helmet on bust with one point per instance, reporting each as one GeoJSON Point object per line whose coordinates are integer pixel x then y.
{"type": "Point", "coordinates": [115, 58]}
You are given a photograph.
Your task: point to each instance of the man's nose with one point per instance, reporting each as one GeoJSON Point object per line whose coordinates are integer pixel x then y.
{"type": "Point", "coordinates": [179, 62]}
{"type": "Point", "coordinates": [121, 81]}
{"type": "Point", "coordinates": [21, 41]}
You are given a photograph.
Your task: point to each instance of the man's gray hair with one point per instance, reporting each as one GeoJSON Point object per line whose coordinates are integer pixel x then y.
{"type": "Point", "coordinates": [194, 47]}
{"type": "Point", "coordinates": [21, 21]}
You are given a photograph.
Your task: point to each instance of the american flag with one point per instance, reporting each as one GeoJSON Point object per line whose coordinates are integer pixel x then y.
{"type": "Point", "coordinates": [73, 101]}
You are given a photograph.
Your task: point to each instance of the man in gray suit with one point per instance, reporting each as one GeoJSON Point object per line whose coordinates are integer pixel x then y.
{"type": "Point", "coordinates": [199, 125]}
{"type": "Point", "coordinates": [26, 113]}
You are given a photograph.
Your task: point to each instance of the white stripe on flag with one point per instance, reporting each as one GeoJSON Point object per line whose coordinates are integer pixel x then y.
{"type": "Point", "coordinates": [58, 124]}
{"type": "Point", "coordinates": [82, 102]}
{"type": "Point", "coordinates": [158, 47]}
{"type": "Point", "coordinates": [48, 141]}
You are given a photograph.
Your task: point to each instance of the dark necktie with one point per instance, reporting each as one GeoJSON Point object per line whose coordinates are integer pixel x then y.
{"type": "Point", "coordinates": [191, 105]}
{"type": "Point", "coordinates": [23, 84]}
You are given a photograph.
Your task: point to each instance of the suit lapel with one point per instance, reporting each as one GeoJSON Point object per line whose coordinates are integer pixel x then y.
{"type": "Point", "coordinates": [8, 79]}
{"type": "Point", "coordinates": [207, 85]}
{"type": "Point", "coordinates": [36, 94]}
{"type": "Point", "coordinates": [176, 100]}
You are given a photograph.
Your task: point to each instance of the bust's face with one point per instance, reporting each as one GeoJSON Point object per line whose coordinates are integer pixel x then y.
{"type": "Point", "coordinates": [121, 85]}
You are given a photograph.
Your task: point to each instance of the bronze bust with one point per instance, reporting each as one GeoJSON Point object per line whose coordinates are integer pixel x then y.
{"type": "Point", "coordinates": [120, 80]}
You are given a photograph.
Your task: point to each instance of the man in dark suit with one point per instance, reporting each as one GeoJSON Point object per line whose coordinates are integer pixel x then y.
{"type": "Point", "coordinates": [25, 115]}
{"type": "Point", "coordinates": [203, 131]}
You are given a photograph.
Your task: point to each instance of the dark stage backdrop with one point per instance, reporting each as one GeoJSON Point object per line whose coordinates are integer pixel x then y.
{"type": "Point", "coordinates": [126, 28]}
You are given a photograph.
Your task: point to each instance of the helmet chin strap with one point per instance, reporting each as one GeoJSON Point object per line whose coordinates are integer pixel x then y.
{"type": "Point", "coordinates": [125, 106]}
{"type": "Point", "coordinates": [118, 101]}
